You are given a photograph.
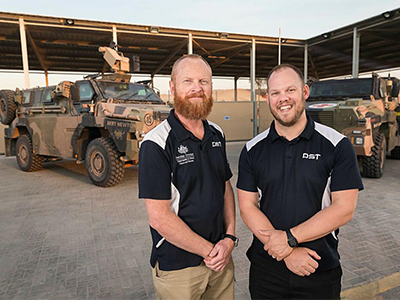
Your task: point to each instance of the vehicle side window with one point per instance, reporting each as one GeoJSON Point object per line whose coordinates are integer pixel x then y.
{"type": "Point", "coordinates": [85, 91]}
{"type": "Point", "coordinates": [37, 96]}
{"type": "Point", "coordinates": [142, 93]}
{"type": "Point", "coordinates": [27, 97]}
{"type": "Point", "coordinates": [382, 89]}
{"type": "Point", "coordinates": [396, 89]}
{"type": "Point", "coordinates": [46, 96]}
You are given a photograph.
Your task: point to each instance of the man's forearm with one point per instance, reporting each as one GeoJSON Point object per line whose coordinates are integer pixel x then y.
{"type": "Point", "coordinates": [329, 219]}
{"type": "Point", "coordinates": [255, 219]}
{"type": "Point", "coordinates": [229, 209]}
{"type": "Point", "coordinates": [176, 232]}
{"type": "Point", "coordinates": [321, 224]}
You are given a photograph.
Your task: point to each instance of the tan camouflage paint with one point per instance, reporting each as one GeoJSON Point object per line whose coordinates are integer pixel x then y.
{"type": "Point", "coordinates": [348, 113]}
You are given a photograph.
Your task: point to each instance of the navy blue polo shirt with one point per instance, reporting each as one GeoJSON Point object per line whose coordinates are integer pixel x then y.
{"type": "Point", "coordinates": [177, 166]}
{"type": "Point", "coordinates": [295, 179]}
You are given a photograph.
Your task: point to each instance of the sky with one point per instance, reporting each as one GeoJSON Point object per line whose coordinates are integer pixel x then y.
{"type": "Point", "coordinates": [297, 19]}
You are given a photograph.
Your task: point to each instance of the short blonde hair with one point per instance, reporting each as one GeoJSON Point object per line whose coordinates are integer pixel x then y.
{"type": "Point", "coordinates": [179, 60]}
{"type": "Point", "coordinates": [286, 66]}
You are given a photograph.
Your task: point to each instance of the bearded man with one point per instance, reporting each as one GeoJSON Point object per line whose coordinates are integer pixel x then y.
{"type": "Point", "coordinates": [298, 183]}
{"type": "Point", "coordinates": [184, 177]}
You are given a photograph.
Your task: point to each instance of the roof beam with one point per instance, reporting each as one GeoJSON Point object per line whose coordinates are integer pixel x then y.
{"type": "Point", "coordinates": [228, 58]}
{"type": "Point", "coordinates": [344, 57]}
{"type": "Point", "coordinates": [382, 37]}
{"type": "Point", "coordinates": [168, 59]}
{"type": "Point", "coordinates": [202, 48]}
{"type": "Point", "coordinates": [273, 62]}
{"type": "Point", "coordinates": [285, 56]}
{"type": "Point", "coordinates": [230, 47]}
{"type": "Point", "coordinates": [37, 51]}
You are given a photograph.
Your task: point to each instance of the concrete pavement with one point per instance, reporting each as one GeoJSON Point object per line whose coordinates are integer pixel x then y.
{"type": "Point", "coordinates": [62, 237]}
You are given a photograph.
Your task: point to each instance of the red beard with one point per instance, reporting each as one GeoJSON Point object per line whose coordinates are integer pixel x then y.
{"type": "Point", "coordinates": [193, 109]}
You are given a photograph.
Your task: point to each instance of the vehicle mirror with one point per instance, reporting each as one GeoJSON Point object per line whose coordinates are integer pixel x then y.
{"type": "Point", "coordinates": [18, 97]}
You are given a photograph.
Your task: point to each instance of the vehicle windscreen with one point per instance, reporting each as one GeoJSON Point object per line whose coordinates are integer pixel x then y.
{"type": "Point", "coordinates": [128, 91]}
{"type": "Point", "coordinates": [341, 89]}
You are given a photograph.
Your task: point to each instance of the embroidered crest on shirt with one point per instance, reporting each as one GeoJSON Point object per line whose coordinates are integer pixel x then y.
{"type": "Point", "coordinates": [183, 149]}
{"type": "Point", "coordinates": [185, 157]}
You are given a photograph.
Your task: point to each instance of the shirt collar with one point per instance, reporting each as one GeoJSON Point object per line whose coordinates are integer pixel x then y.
{"type": "Point", "coordinates": [306, 133]}
{"type": "Point", "coordinates": [182, 133]}
{"type": "Point", "coordinates": [309, 130]}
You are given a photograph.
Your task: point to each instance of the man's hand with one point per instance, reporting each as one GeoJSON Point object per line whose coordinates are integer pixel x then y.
{"type": "Point", "coordinates": [302, 261]}
{"type": "Point", "coordinates": [220, 255]}
{"type": "Point", "coordinates": [276, 244]}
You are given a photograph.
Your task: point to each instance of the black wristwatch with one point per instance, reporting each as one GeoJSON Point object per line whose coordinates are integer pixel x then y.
{"type": "Point", "coordinates": [233, 238]}
{"type": "Point", "coordinates": [291, 240]}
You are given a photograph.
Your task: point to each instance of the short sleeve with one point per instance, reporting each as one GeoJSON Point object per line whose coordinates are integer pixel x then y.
{"type": "Point", "coordinates": [345, 173]}
{"type": "Point", "coordinates": [228, 172]}
{"type": "Point", "coordinates": [246, 179]}
{"type": "Point", "coordinates": [154, 172]}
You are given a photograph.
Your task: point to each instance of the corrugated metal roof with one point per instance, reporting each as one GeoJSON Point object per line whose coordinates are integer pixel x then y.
{"type": "Point", "coordinates": [64, 47]}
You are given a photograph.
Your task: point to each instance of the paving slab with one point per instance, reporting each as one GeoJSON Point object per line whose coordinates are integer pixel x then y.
{"type": "Point", "coordinates": [61, 237]}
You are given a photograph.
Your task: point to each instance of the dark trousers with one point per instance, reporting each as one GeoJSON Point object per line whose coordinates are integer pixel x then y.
{"type": "Point", "coordinates": [267, 283]}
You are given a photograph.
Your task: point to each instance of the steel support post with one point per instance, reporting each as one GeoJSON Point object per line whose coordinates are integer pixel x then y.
{"type": "Point", "coordinates": [253, 85]}
{"type": "Point", "coordinates": [356, 52]}
{"type": "Point", "coordinates": [24, 50]}
{"type": "Point", "coordinates": [114, 33]}
{"type": "Point", "coordinates": [46, 77]}
{"type": "Point", "coordinates": [305, 63]}
{"type": "Point", "coordinates": [190, 44]}
{"type": "Point", "coordinates": [235, 79]}
{"type": "Point", "coordinates": [279, 47]}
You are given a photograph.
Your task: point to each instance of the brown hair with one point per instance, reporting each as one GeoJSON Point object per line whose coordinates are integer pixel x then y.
{"type": "Point", "coordinates": [286, 66]}
{"type": "Point", "coordinates": [179, 60]}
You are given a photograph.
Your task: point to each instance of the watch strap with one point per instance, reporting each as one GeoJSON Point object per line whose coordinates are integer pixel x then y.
{"type": "Point", "coordinates": [233, 238]}
{"type": "Point", "coordinates": [292, 241]}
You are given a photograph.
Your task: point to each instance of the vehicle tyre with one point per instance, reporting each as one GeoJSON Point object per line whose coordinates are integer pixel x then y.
{"type": "Point", "coordinates": [103, 165]}
{"type": "Point", "coordinates": [373, 165]}
{"type": "Point", "coordinates": [395, 153]}
{"type": "Point", "coordinates": [27, 160]}
{"type": "Point", "coordinates": [7, 106]}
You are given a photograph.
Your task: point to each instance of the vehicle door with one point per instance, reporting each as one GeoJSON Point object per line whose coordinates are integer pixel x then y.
{"type": "Point", "coordinates": [61, 122]}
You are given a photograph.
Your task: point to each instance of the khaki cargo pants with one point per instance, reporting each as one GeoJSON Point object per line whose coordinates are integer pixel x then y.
{"type": "Point", "coordinates": [194, 283]}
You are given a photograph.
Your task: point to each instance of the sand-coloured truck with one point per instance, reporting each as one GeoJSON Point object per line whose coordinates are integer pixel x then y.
{"type": "Point", "coordinates": [367, 111]}
{"type": "Point", "coordinates": [100, 121]}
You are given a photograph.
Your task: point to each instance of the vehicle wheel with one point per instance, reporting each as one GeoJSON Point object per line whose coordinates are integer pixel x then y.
{"type": "Point", "coordinates": [395, 153]}
{"type": "Point", "coordinates": [7, 106]}
{"type": "Point", "coordinates": [103, 164]}
{"type": "Point", "coordinates": [373, 165]}
{"type": "Point", "coordinates": [27, 160]}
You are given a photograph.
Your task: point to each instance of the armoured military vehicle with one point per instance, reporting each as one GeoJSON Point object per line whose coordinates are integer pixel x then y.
{"type": "Point", "coordinates": [367, 111]}
{"type": "Point", "coordinates": [99, 121]}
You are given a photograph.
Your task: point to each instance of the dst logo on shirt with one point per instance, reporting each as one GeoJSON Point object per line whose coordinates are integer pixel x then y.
{"type": "Point", "coordinates": [186, 157]}
{"type": "Point", "coordinates": [311, 156]}
{"type": "Point", "coordinates": [216, 144]}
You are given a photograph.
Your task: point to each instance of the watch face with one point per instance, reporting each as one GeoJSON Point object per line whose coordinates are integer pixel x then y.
{"type": "Point", "coordinates": [291, 239]}
{"type": "Point", "coordinates": [292, 242]}
{"type": "Point", "coordinates": [233, 238]}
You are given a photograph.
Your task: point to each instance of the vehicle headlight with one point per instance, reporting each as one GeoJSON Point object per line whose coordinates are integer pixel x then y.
{"type": "Point", "coordinates": [359, 140]}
